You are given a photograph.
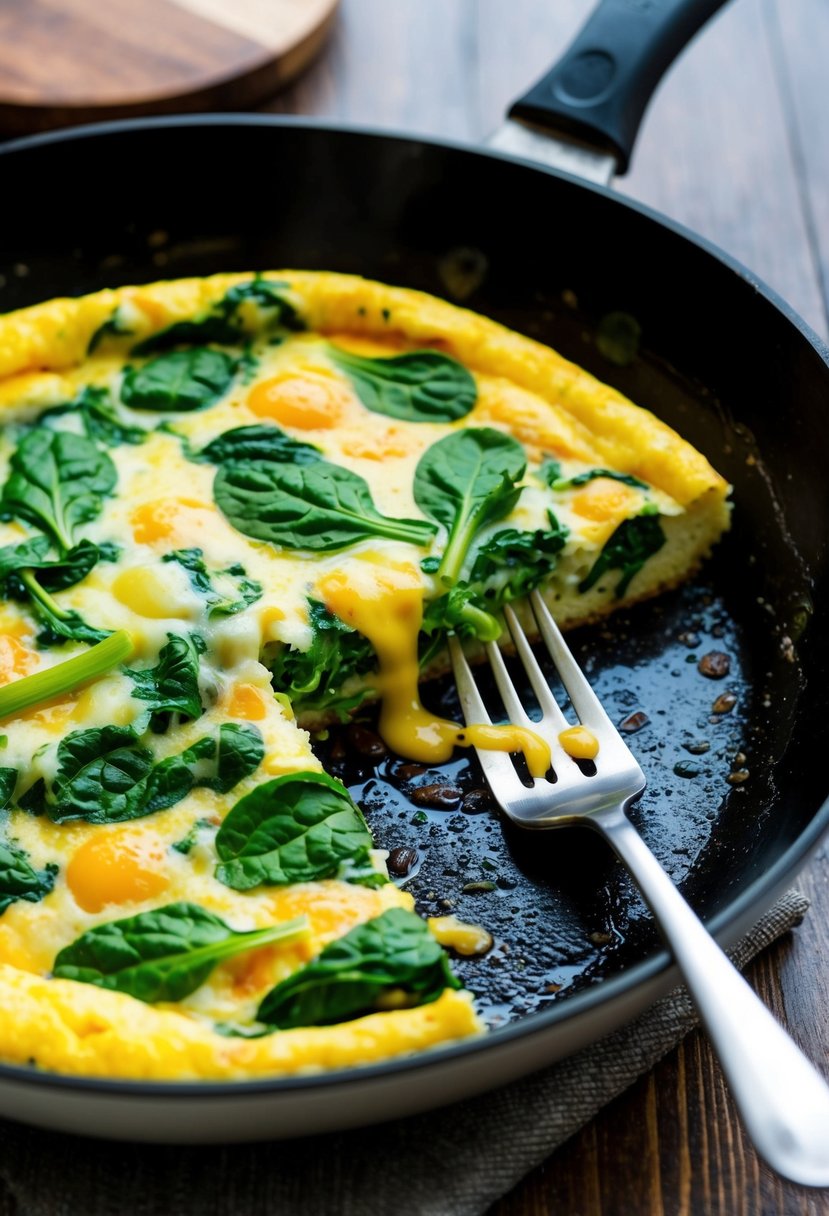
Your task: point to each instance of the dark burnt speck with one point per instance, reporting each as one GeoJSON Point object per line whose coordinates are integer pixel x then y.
{"type": "Point", "coordinates": [477, 802]}
{"type": "Point", "coordinates": [401, 860]}
{"type": "Point", "coordinates": [366, 742]}
{"type": "Point", "coordinates": [634, 722]}
{"type": "Point", "coordinates": [440, 796]}
{"type": "Point", "coordinates": [715, 665]}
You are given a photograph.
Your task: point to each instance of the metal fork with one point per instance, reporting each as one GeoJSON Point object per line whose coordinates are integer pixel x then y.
{"type": "Point", "coordinates": [783, 1100]}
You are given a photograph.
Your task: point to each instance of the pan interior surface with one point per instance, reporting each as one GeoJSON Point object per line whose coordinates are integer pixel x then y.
{"type": "Point", "coordinates": [704, 349]}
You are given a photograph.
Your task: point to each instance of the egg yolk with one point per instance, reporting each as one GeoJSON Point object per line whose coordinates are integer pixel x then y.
{"type": "Point", "coordinates": [604, 499]}
{"type": "Point", "coordinates": [15, 659]}
{"type": "Point", "coordinates": [117, 867]}
{"type": "Point", "coordinates": [246, 702]}
{"type": "Point", "coordinates": [161, 519]}
{"type": "Point", "coordinates": [579, 742]}
{"type": "Point", "coordinates": [310, 401]}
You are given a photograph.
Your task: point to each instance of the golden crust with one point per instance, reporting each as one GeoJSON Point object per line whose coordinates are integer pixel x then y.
{"type": "Point", "coordinates": [55, 336]}
{"type": "Point", "coordinates": [76, 1028]}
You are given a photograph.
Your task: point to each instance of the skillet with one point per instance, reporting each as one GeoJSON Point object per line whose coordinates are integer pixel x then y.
{"type": "Point", "coordinates": [720, 357]}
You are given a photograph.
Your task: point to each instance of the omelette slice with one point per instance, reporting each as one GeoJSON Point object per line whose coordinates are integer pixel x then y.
{"type": "Point", "coordinates": [234, 509]}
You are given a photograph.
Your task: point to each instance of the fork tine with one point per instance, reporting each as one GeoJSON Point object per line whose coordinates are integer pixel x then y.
{"type": "Point", "coordinates": [512, 702]}
{"type": "Point", "coordinates": [585, 702]}
{"type": "Point", "coordinates": [549, 705]}
{"type": "Point", "coordinates": [497, 766]}
{"type": "Point", "coordinates": [473, 706]}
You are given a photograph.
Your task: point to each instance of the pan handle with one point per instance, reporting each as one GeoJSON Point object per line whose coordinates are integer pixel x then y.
{"type": "Point", "coordinates": [599, 89]}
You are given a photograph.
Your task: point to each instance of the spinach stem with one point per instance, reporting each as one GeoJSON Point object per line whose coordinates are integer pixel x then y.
{"type": "Point", "coordinates": [41, 595]}
{"type": "Point", "coordinates": [63, 677]}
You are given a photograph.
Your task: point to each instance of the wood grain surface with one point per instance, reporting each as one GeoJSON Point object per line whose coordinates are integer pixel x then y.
{"type": "Point", "coordinates": [71, 61]}
{"type": "Point", "coordinates": [734, 146]}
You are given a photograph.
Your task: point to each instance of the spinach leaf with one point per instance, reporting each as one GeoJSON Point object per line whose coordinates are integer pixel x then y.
{"type": "Point", "coordinates": [512, 563]}
{"type": "Point", "coordinates": [105, 775]}
{"type": "Point", "coordinates": [8, 781]}
{"type": "Point", "coordinates": [102, 776]}
{"type": "Point", "coordinates": [351, 975]}
{"type": "Point", "coordinates": [162, 955]}
{"type": "Point", "coordinates": [172, 686]}
{"type": "Point", "coordinates": [260, 442]}
{"type": "Point", "coordinates": [320, 506]}
{"type": "Point", "coordinates": [238, 753]}
{"type": "Point", "coordinates": [18, 878]}
{"type": "Point", "coordinates": [508, 565]}
{"type": "Point", "coordinates": [548, 471]}
{"type": "Point", "coordinates": [459, 610]}
{"type": "Point", "coordinates": [182, 380]}
{"type": "Point", "coordinates": [55, 573]}
{"type": "Point", "coordinates": [17, 565]}
{"type": "Point", "coordinates": [99, 417]}
{"type": "Point", "coordinates": [246, 311]}
{"type": "Point", "coordinates": [465, 481]}
{"type": "Point", "coordinates": [190, 839]}
{"type": "Point", "coordinates": [630, 546]}
{"type": "Point", "coordinates": [581, 479]}
{"type": "Point", "coordinates": [313, 678]}
{"type": "Point", "coordinates": [57, 481]}
{"type": "Point", "coordinates": [245, 591]}
{"type": "Point", "coordinates": [61, 624]}
{"type": "Point", "coordinates": [296, 828]}
{"type": "Point", "coordinates": [423, 386]}
{"type": "Point", "coordinates": [114, 326]}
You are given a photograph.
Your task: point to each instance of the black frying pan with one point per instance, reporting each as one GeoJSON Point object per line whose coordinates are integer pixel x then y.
{"type": "Point", "coordinates": [721, 358]}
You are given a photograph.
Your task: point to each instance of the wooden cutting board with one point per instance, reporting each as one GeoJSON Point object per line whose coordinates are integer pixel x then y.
{"type": "Point", "coordinates": [72, 61]}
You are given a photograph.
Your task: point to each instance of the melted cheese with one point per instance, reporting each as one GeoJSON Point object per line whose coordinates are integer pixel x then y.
{"type": "Point", "coordinates": [384, 601]}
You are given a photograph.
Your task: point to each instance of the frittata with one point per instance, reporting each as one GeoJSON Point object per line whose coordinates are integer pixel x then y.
{"type": "Point", "coordinates": [233, 508]}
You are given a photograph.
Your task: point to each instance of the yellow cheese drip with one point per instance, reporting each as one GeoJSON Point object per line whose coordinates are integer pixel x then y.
{"type": "Point", "coordinates": [579, 742]}
{"type": "Point", "coordinates": [383, 600]}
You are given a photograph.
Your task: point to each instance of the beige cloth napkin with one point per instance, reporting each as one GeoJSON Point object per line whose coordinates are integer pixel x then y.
{"type": "Point", "coordinates": [453, 1162]}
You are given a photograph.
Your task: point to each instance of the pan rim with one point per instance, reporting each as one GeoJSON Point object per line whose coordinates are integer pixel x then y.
{"type": "Point", "coordinates": [750, 903]}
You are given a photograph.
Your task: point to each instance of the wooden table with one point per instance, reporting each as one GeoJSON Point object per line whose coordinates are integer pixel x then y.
{"type": "Point", "coordinates": [736, 146]}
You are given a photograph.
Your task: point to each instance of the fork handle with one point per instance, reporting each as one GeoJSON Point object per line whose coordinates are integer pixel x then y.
{"type": "Point", "coordinates": [783, 1100]}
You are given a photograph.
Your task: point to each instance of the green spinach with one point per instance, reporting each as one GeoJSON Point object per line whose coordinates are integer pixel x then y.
{"type": "Point", "coordinates": [19, 879]}
{"type": "Point", "coordinates": [182, 380]}
{"type": "Point", "coordinates": [246, 311]}
{"type": "Point", "coordinates": [352, 974]}
{"type": "Point", "coordinates": [8, 781]}
{"type": "Point", "coordinates": [114, 327]}
{"type": "Point", "coordinates": [259, 442]}
{"type": "Point", "coordinates": [581, 479]}
{"type": "Point", "coordinates": [511, 563]}
{"type": "Point", "coordinates": [312, 678]}
{"type": "Point", "coordinates": [63, 677]}
{"type": "Point", "coordinates": [165, 954]}
{"type": "Point", "coordinates": [56, 482]}
{"type": "Point", "coordinates": [422, 386]}
{"type": "Point", "coordinates": [464, 482]}
{"type": "Point", "coordinates": [99, 417]}
{"type": "Point", "coordinates": [296, 828]}
{"type": "Point", "coordinates": [321, 506]}
{"type": "Point", "coordinates": [172, 686]}
{"type": "Point", "coordinates": [630, 546]}
{"type": "Point", "coordinates": [243, 591]}
{"type": "Point", "coordinates": [105, 775]}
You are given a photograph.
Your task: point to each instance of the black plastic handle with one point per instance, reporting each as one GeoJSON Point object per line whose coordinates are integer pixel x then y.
{"type": "Point", "coordinates": [601, 86]}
